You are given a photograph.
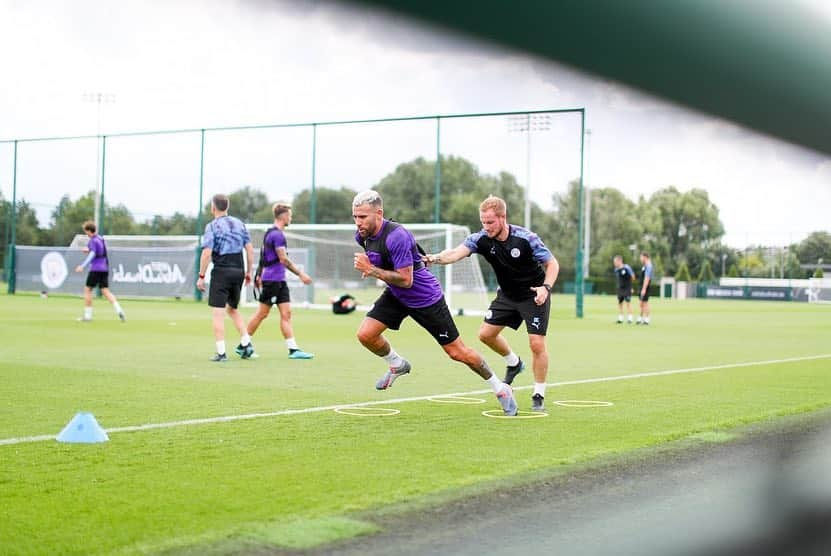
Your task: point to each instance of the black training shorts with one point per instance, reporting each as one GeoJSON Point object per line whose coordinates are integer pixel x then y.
{"type": "Point", "coordinates": [226, 283]}
{"type": "Point", "coordinates": [98, 278]}
{"type": "Point", "coordinates": [644, 298]}
{"type": "Point", "coordinates": [504, 311]}
{"type": "Point", "coordinates": [624, 294]}
{"type": "Point", "coordinates": [274, 293]}
{"type": "Point", "coordinates": [435, 318]}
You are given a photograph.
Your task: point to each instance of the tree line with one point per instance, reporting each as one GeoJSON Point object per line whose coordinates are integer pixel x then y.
{"type": "Point", "coordinates": [681, 230]}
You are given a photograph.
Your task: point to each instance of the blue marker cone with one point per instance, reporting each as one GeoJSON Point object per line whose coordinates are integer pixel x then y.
{"type": "Point", "coordinates": [83, 428]}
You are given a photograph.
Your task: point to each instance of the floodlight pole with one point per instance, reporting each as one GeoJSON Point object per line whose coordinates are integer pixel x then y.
{"type": "Point", "coordinates": [313, 199]}
{"type": "Point", "coordinates": [98, 99]}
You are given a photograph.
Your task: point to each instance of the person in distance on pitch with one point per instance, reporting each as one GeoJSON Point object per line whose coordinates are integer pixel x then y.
{"type": "Point", "coordinates": [99, 272]}
{"type": "Point", "coordinates": [624, 275]}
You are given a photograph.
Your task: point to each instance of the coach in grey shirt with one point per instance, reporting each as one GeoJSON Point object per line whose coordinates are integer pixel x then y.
{"type": "Point", "coordinates": [223, 243]}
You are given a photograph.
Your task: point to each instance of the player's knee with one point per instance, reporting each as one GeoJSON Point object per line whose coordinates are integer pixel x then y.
{"type": "Point", "coordinates": [365, 337]}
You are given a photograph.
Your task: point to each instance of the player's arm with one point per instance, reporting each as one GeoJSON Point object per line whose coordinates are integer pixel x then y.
{"type": "Point", "coordinates": [552, 270]}
{"type": "Point", "coordinates": [249, 261]}
{"type": "Point", "coordinates": [87, 261]}
{"type": "Point", "coordinates": [204, 260]}
{"type": "Point", "coordinates": [448, 256]}
{"type": "Point", "coordinates": [400, 277]}
{"type": "Point", "coordinates": [284, 259]}
{"type": "Point", "coordinates": [646, 281]}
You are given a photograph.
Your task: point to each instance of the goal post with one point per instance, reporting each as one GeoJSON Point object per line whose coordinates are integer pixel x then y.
{"type": "Point", "coordinates": [325, 252]}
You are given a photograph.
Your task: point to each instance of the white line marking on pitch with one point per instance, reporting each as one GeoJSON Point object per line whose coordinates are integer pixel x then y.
{"type": "Point", "coordinates": [231, 418]}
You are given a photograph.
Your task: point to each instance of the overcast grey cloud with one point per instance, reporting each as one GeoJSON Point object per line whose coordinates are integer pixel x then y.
{"type": "Point", "coordinates": [189, 64]}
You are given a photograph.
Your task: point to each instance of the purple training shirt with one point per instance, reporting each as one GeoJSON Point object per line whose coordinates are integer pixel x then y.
{"type": "Point", "coordinates": [274, 239]}
{"type": "Point", "coordinates": [99, 263]}
{"type": "Point", "coordinates": [426, 289]}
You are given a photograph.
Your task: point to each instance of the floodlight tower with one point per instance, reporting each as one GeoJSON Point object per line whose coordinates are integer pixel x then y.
{"type": "Point", "coordinates": [98, 98]}
{"type": "Point", "coordinates": [526, 123]}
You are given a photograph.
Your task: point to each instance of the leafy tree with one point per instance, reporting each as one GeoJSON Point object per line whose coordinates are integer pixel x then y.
{"type": "Point", "coordinates": [733, 271]}
{"type": "Point", "coordinates": [818, 273]}
{"type": "Point", "coordinates": [334, 206]}
{"type": "Point", "coordinates": [683, 273]}
{"type": "Point", "coordinates": [706, 274]}
{"type": "Point", "coordinates": [69, 217]}
{"type": "Point", "coordinates": [814, 247]}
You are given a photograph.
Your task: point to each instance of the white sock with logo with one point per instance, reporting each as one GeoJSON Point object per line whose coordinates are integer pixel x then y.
{"type": "Point", "coordinates": [393, 359]}
{"type": "Point", "coordinates": [220, 347]}
{"type": "Point", "coordinates": [511, 359]}
{"type": "Point", "coordinates": [495, 383]}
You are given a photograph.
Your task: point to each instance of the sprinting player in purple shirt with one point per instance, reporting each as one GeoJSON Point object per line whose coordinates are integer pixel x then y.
{"type": "Point", "coordinates": [99, 272]}
{"type": "Point", "coordinates": [271, 279]}
{"type": "Point", "coordinates": [391, 255]}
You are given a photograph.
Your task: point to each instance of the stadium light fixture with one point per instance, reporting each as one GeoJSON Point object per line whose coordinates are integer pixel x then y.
{"type": "Point", "coordinates": [527, 123]}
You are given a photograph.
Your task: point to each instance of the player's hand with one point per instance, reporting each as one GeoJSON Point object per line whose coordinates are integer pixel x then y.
{"type": "Point", "coordinates": [85, 250]}
{"type": "Point", "coordinates": [79, 268]}
{"type": "Point", "coordinates": [363, 264]}
{"type": "Point", "coordinates": [429, 259]}
{"type": "Point", "coordinates": [200, 284]}
{"type": "Point", "coordinates": [259, 282]}
{"type": "Point", "coordinates": [247, 278]}
{"type": "Point", "coordinates": [541, 294]}
{"type": "Point", "coordinates": [305, 278]}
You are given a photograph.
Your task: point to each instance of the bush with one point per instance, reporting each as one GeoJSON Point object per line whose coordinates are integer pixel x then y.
{"type": "Point", "coordinates": [706, 274]}
{"type": "Point", "coordinates": [733, 271]}
{"type": "Point", "coordinates": [818, 273]}
{"type": "Point", "coordinates": [683, 274]}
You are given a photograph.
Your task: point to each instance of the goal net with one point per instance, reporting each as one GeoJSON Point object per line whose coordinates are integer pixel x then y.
{"type": "Point", "coordinates": [325, 252]}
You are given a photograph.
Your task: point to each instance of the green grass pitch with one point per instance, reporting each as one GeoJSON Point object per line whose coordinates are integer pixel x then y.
{"type": "Point", "coordinates": [297, 480]}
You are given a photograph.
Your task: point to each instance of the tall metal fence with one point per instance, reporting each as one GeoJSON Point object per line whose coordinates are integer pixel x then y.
{"type": "Point", "coordinates": [160, 173]}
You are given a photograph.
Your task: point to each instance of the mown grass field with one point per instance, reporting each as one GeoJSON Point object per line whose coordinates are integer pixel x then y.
{"type": "Point", "coordinates": [299, 479]}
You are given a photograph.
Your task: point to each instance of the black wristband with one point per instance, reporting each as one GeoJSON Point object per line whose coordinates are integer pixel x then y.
{"type": "Point", "coordinates": [547, 287]}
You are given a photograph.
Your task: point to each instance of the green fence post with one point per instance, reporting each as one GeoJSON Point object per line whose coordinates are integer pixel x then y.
{"type": "Point", "coordinates": [103, 173]}
{"type": "Point", "coordinates": [12, 275]}
{"type": "Point", "coordinates": [437, 210]}
{"type": "Point", "coordinates": [197, 293]}
{"type": "Point", "coordinates": [578, 269]}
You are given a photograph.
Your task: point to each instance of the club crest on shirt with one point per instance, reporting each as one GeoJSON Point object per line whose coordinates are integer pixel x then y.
{"type": "Point", "coordinates": [515, 252]}
{"type": "Point", "coordinates": [488, 314]}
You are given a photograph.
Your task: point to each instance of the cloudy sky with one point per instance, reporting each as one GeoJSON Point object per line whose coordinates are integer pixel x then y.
{"type": "Point", "coordinates": [194, 64]}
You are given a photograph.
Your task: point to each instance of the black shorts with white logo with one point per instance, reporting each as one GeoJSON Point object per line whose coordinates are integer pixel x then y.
{"type": "Point", "coordinates": [504, 311]}
{"type": "Point", "coordinates": [624, 294]}
{"type": "Point", "coordinates": [274, 293]}
{"type": "Point", "coordinates": [226, 283]}
{"type": "Point", "coordinates": [435, 319]}
{"type": "Point", "coordinates": [98, 278]}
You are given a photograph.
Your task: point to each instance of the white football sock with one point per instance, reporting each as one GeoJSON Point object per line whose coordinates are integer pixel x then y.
{"type": "Point", "coordinates": [511, 359]}
{"type": "Point", "coordinates": [220, 347]}
{"type": "Point", "coordinates": [291, 343]}
{"type": "Point", "coordinates": [393, 359]}
{"type": "Point", "coordinates": [88, 313]}
{"type": "Point", "coordinates": [245, 339]}
{"type": "Point", "coordinates": [495, 383]}
{"type": "Point", "coordinates": [117, 307]}
{"type": "Point", "coordinates": [539, 388]}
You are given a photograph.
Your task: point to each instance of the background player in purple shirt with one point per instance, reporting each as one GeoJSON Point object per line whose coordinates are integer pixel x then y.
{"type": "Point", "coordinates": [99, 272]}
{"type": "Point", "coordinates": [271, 279]}
{"type": "Point", "coordinates": [526, 271]}
{"type": "Point", "coordinates": [391, 255]}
